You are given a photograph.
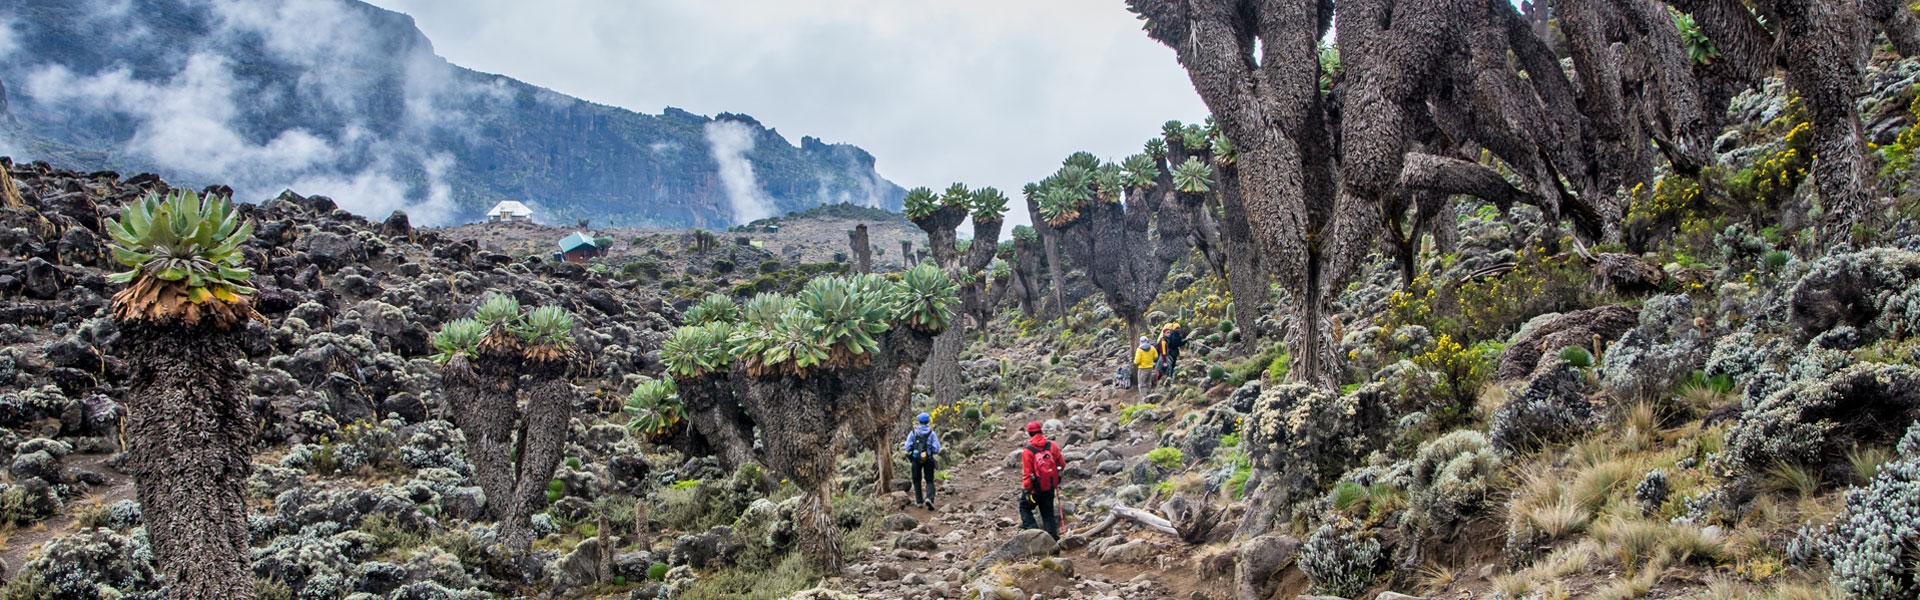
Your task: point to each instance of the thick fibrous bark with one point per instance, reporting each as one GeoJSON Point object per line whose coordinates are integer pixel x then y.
{"type": "Point", "coordinates": [803, 419]}
{"type": "Point", "coordinates": [1826, 45]}
{"type": "Point", "coordinates": [942, 373]}
{"type": "Point", "coordinates": [543, 441]}
{"type": "Point", "coordinates": [484, 409]}
{"type": "Point", "coordinates": [189, 435]}
{"type": "Point", "coordinates": [979, 255]}
{"type": "Point", "coordinates": [861, 251]}
{"type": "Point", "coordinates": [1247, 277]}
{"type": "Point", "coordinates": [1050, 242]}
{"type": "Point", "coordinates": [1126, 247]}
{"type": "Point", "coordinates": [1026, 275]}
{"type": "Point", "coordinates": [710, 404]}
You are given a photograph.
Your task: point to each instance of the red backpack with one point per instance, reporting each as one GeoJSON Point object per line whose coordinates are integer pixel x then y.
{"type": "Point", "coordinates": [1046, 472]}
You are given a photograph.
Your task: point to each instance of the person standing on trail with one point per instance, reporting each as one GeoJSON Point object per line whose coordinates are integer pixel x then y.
{"type": "Point", "coordinates": [1144, 358]}
{"type": "Point", "coordinates": [1171, 340]}
{"type": "Point", "coordinates": [922, 446]}
{"type": "Point", "coordinates": [1040, 464]}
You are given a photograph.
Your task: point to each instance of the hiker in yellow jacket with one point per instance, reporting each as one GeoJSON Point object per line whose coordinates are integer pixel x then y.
{"type": "Point", "coordinates": [1144, 375]}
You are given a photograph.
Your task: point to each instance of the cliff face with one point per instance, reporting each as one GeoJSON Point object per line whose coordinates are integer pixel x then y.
{"type": "Point", "coordinates": [346, 99]}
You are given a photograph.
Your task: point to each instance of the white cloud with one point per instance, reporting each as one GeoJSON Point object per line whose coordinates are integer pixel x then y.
{"type": "Point", "coordinates": [992, 92]}
{"type": "Point", "coordinates": [730, 141]}
{"type": "Point", "coordinates": [7, 42]}
{"type": "Point", "coordinates": [186, 127]}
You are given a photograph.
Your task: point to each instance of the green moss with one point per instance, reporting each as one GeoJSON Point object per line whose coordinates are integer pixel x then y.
{"type": "Point", "coordinates": [1166, 457]}
{"type": "Point", "coordinates": [1127, 412]}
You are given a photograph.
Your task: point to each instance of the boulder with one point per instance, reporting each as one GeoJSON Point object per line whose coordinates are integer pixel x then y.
{"type": "Point", "coordinates": [1133, 552]}
{"type": "Point", "coordinates": [1578, 328]}
{"type": "Point", "coordinates": [714, 547]}
{"type": "Point", "coordinates": [1028, 543]}
{"type": "Point", "coordinates": [916, 541]}
{"type": "Point", "coordinates": [1257, 564]}
{"type": "Point", "coordinates": [330, 251]}
{"type": "Point", "coordinates": [899, 522]}
{"type": "Point", "coordinates": [397, 225]}
{"type": "Point", "coordinates": [581, 567]}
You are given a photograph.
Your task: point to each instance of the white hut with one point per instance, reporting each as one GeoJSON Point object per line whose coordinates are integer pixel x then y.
{"type": "Point", "coordinates": [509, 211]}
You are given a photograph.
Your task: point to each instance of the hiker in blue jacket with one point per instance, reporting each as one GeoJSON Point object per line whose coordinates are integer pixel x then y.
{"type": "Point", "coordinates": [922, 445]}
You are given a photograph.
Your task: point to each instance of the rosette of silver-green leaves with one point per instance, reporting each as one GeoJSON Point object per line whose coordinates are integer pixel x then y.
{"type": "Point", "coordinates": [924, 299]}
{"type": "Point", "coordinates": [999, 269]}
{"type": "Point", "coordinates": [989, 204]}
{"type": "Point", "coordinates": [1140, 171]}
{"type": "Point", "coordinates": [547, 334]}
{"type": "Point", "coordinates": [457, 338]}
{"type": "Point", "coordinates": [853, 312]}
{"type": "Point", "coordinates": [654, 407]}
{"type": "Point", "coordinates": [697, 350]}
{"type": "Point", "coordinates": [764, 310]}
{"type": "Point", "coordinates": [713, 308]}
{"type": "Point", "coordinates": [919, 203]}
{"type": "Point", "coordinates": [835, 322]}
{"type": "Point", "coordinates": [1193, 176]}
{"type": "Point", "coordinates": [790, 345]}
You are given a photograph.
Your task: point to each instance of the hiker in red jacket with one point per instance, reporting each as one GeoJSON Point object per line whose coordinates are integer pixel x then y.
{"type": "Point", "coordinates": [1040, 464]}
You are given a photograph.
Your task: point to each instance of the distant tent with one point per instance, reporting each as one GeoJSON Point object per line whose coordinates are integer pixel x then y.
{"type": "Point", "coordinates": [578, 247]}
{"type": "Point", "coordinates": [509, 210]}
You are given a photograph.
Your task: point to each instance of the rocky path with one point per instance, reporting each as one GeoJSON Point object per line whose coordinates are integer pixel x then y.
{"type": "Point", "coordinates": [945, 553]}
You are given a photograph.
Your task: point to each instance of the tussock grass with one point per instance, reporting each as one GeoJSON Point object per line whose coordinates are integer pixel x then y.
{"type": "Point", "coordinates": [1866, 461]}
{"type": "Point", "coordinates": [1557, 521]}
{"type": "Point", "coordinates": [793, 573]}
{"type": "Point", "coordinates": [1597, 485]}
{"type": "Point", "coordinates": [1433, 578]}
{"type": "Point", "coordinates": [1655, 544]}
{"type": "Point", "coordinates": [1798, 481]}
{"type": "Point", "coordinates": [1513, 585]}
{"type": "Point", "coordinates": [90, 513]}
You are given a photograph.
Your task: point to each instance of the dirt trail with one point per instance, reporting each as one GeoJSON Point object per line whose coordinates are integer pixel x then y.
{"type": "Point", "coordinates": [20, 544]}
{"type": "Point", "coordinates": [976, 511]}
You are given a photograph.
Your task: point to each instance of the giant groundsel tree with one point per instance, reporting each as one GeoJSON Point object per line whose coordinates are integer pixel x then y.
{"type": "Point", "coordinates": [514, 450]}
{"type": "Point", "coordinates": [941, 215]}
{"type": "Point", "coordinates": [189, 428]}
{"type": "Point", "coordinates": [836, 362]}
{"type": "Point", "coordinates": [1425, 88]}
{"type": "Point", "coordinates": [1122, 223]}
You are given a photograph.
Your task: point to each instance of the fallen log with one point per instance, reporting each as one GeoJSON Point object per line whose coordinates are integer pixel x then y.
{"type": "Point", "coordinates": [1145, 519]}
{"type": "Point", "coordinates": [1077, 539]}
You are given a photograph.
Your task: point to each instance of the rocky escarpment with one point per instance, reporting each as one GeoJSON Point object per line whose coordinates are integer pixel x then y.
{"type": "Point", "coordinates": [354, 451]}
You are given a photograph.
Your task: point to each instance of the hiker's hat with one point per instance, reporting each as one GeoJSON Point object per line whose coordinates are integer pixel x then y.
{"type": "Point", "coordinates": [1033, 427]}
{"type": "Point", "coordinates": [924, 417]}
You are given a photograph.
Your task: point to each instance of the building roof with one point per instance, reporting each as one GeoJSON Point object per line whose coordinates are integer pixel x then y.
{"type": "Point", "coordinates": [575, 241]}
{"type": "Point", "coordinates": [511, 207]}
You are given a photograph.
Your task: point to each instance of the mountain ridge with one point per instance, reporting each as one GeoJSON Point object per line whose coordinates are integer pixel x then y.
{"type": "Point", "coordinates": [346, 99]}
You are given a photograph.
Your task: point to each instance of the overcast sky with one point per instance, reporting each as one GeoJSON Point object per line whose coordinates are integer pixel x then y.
{"type": "Point", "coordinates": [987, 92]}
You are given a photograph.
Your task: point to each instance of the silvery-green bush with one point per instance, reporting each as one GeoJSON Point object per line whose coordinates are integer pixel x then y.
{"type": "Point", "coordinates": [1815, 422]}
{"type": "Point", "coordinates": [1870, 545]}
{"type": "Point", "coordinates": [1552, 407]}
{"type": "Point", "coordinates": [1449, 480]}
{"type": "Point", "coordinates": [1340, 558]}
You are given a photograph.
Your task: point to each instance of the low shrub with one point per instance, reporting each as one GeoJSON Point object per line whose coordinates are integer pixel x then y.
{"type": "Point", "coordinates": [1166, 457]}
{"type": "Point", "coordinates": [1340, 559]}
{"type": "Point", "coordinates": [1869, 544]}
{"type": "Point", "coordinates": [1451, 477]}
